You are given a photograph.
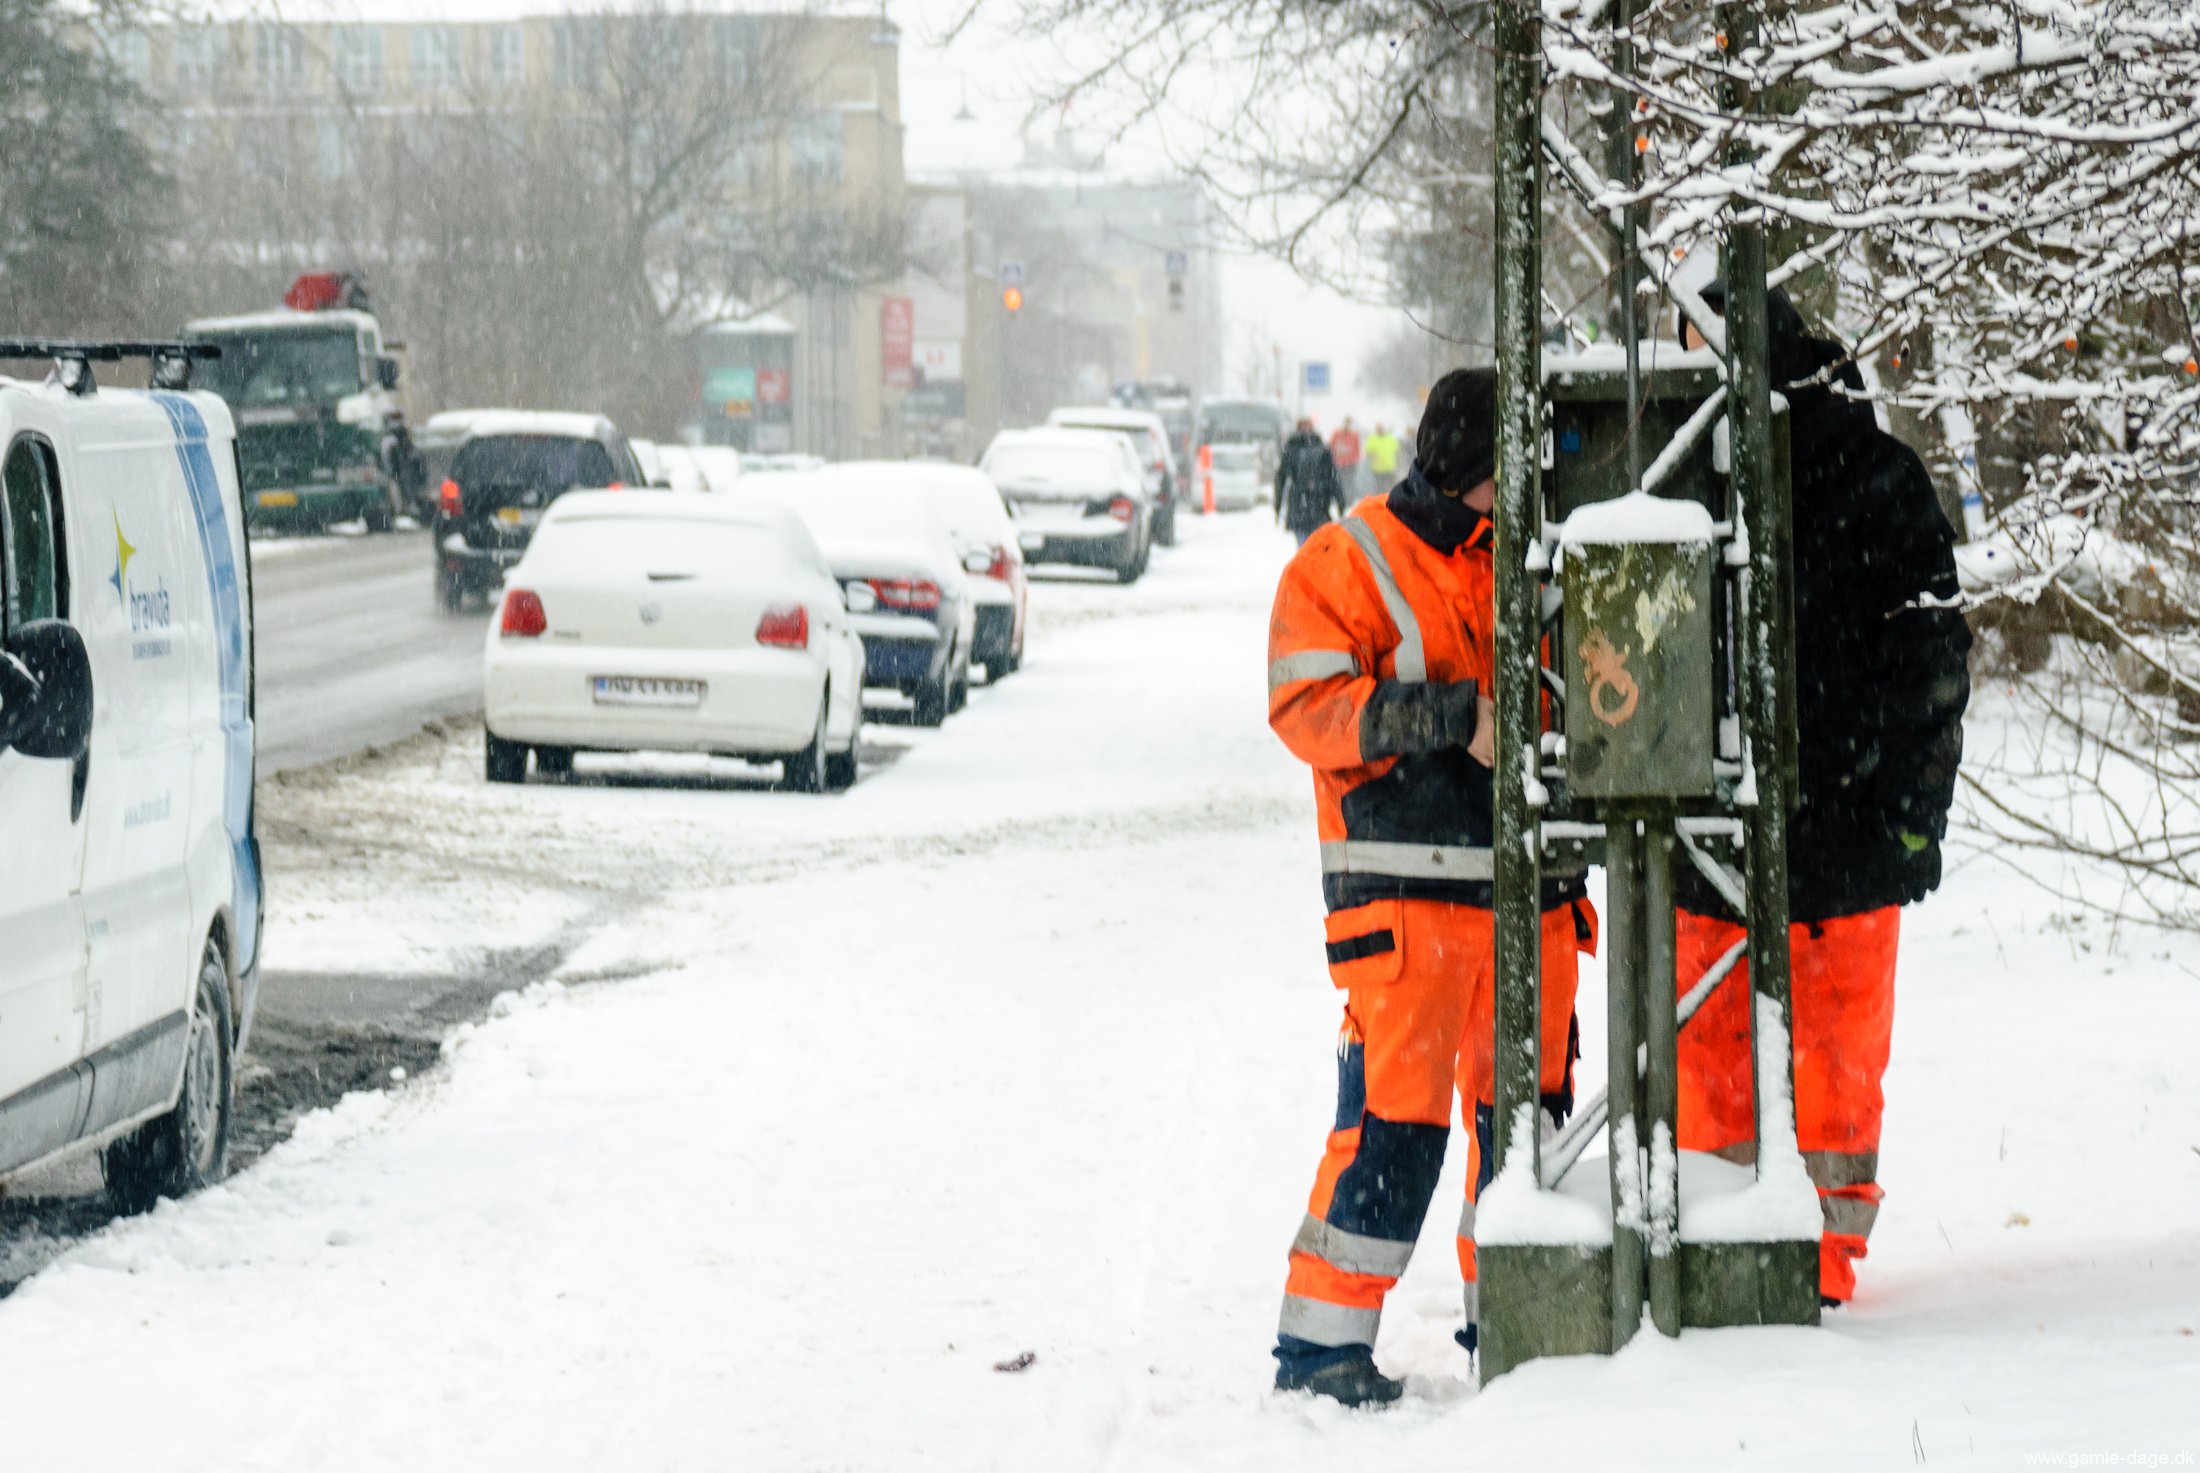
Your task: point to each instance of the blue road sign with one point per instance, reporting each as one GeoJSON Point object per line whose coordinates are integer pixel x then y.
{"type": "Point", "coordinates": [1317, 378]}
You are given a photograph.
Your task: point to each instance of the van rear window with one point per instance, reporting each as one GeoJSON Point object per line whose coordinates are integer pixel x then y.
{"type": "Point", "coordinates": [551, 463]}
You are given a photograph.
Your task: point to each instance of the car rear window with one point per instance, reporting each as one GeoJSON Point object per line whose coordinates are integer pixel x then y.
{"type": "Point", "coordinates": [871, 513]}
{"type": "Point", "coordinates": [1062, 464]}
{"type": "Point", "coordinates": [550, 463]}
{"type": "Point", "coordinates": [1236, 457]}
{"type": "Point", "coordinates": [660, 544]}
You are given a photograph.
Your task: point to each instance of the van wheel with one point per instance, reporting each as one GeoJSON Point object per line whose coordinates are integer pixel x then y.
{"type": "Point", "coordinates": [804, 771]}
{"type": "Point", "coordinates": [554, 761]}
{"type": "Point", "coordinates": [503, 761]}
{"type": "Point", "coordinates": [188, 1147]}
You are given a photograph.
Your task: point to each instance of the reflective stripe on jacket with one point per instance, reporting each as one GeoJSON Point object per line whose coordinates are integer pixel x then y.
{"type": "Point", "coordinates": [1369, 622]}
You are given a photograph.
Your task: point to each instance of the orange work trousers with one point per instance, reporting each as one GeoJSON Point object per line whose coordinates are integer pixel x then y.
{"type": "Point", "coordinates": [1418, 1024]}
{"type": "Point", "coordinates": [1843, 980]}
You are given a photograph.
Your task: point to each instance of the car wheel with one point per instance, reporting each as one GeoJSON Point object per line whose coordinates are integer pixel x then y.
{"type": "Point", "coordinates": [554, 761]}
{"type": "Point", "coordinates": [931, 698]}
{"type": "Point", "coordinates": [804, 771]}
{"type": "Point", "coordinates": [1133, 565]}
{"type": "Point", "coordinates": [1164, 527]}
{"type": "Point", "coordinates": [841, 768]}
{"type": "Point", "coordinates": [381, 516]}
{"type": "Point", "coordinates": [188, 1147]}
{"type": "Point", "coordinates": [503, 761]}
{"type": "Point", "coordinates": [958, 694]}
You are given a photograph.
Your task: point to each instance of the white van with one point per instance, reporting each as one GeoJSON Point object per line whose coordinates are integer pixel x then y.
{"type": "Point", "coordinates": [130, 892]}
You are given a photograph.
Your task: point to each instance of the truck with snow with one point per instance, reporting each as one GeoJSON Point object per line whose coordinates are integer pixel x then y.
{"type": "Point", "coordinates": [322, 432]}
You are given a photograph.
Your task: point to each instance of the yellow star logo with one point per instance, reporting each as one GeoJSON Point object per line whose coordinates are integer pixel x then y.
{"type": "Point", "coordinates": [123, 553]}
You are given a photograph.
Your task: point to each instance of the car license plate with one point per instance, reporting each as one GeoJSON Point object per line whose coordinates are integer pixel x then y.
{"type": "Point", "coordinates": [637, 690]}
{"type": "Point", "coordinates": [278, 498]}
{"type": "Point", "coordinates": [518, 516]}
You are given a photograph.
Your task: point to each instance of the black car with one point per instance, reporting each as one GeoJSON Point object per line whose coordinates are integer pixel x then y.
{"type": "Point", "coordinates": [512, 466]}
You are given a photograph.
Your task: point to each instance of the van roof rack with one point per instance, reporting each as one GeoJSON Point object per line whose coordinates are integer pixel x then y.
{"type": "Point", "coordinates": [73, 358]}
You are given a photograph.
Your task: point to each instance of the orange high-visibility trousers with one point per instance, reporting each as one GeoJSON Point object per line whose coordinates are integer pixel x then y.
{"type": "Point", "coordinates": [1843, 982]}
{"type": "Point", "coordinates": [1419, 982]}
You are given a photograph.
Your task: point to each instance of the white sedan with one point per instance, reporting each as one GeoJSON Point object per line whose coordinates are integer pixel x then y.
{"type": "Point", "coordinates": [671, 621]}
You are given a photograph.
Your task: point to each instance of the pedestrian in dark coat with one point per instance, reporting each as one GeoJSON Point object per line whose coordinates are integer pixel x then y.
{"type": "Point", "coordinates": [1881, 680]}
{"type": "Point", "coordinates": [1309, 493]}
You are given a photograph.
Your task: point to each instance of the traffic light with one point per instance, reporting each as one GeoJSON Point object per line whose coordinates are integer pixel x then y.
{"type": "Point", "coordinates": [1012, 297]}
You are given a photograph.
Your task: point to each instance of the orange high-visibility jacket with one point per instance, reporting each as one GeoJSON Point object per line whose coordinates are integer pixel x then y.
{"type": "Point", "coordinates": [1370, 624]}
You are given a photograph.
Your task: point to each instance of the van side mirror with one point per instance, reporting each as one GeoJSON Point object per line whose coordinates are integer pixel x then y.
{"type": "Point", "coordinates": [385, 372]}
{"type": "Point", "coordinates": [53, 717]}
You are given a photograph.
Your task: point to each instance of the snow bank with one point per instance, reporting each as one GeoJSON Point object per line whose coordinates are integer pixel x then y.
{"type": "Point", "coordinates": [1637, 517]}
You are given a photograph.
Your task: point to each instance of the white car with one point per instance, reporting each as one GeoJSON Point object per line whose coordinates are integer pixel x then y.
{"type": "Point", "coordinates": [700, 467]}
{"type": "Point", "coordinates": [1149, 437]}
{"type": "Point", "coordinates": [130, 892]}
{"type": "Point", "coordinates": [1234, 467]}
{"type": "Point", "coordinates": [670, 621]}
{"type": "Point", "coordinates": [912, 597]}
{"type": "Point", "coordinates": [1078, 496]}
{"type": "Point", "coordinates": [969, 505]}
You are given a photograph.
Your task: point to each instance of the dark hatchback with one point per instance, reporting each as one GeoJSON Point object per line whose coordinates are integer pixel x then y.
{"type": "Point", "coordinates": [511, 467]}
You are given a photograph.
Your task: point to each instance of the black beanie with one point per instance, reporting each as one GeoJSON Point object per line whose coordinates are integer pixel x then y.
{"type": "Point", "coordinates": [1457, 445]}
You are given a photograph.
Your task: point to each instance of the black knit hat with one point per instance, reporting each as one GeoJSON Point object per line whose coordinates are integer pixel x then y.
{"type": "Point", "coordinates": [1457, 444]}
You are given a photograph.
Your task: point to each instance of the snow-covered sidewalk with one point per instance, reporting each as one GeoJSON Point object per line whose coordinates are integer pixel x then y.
{"type": "Point", "coordinates": [1024, 1046]}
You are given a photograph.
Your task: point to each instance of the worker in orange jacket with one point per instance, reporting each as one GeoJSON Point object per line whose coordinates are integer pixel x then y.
{"type": "Point", "coordinates": [1380, 666]}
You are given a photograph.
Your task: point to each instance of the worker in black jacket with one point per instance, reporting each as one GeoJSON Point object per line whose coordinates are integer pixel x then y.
{"type": "Point", "coordinates": [1881, 684]}
{"type": "Point", "coordinates": [1309, 492]}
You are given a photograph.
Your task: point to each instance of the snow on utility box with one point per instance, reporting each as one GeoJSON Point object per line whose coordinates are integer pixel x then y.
{"type": "Point", "coordinates": [1641, 717]}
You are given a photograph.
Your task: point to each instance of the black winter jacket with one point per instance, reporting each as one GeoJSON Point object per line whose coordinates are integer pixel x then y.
{"type": "Point", "coordinates": [1308, 490]}
{"type": "Point", "coordinates": [1880, 687]}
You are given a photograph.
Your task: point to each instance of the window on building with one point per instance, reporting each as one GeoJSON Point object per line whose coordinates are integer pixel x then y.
{"type": "Point", "coordinates": [734, 50]}
{"type": "Point", "coordinates": [331, 150]}
{"type": "Point", "coordinates": [813, 148]}
{"type": "Point", "coordinates": [198, 58]}
{"type": "Point", "coordinates": [33, 577]}
{"type": "Point", "coordinates": [278, 60]}
{"type": "Point", "coordinates": [436, 59]}
{"type": "Point", "coordinates": [507, 56]}
{"type": "Point", "coordinates": [132, 52]}
{"type": "Point", "coordinates": [359, 59]}
{"type": "Point", "coordinates": [576, 54]}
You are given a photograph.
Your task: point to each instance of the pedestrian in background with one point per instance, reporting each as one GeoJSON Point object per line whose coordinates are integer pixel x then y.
{"type": "Point", "coordinates": [1382, 458]}
{"type": "Point", "coordinates": [1344, 448]}
{"type": "Point", "coordinates": [1308, 493]}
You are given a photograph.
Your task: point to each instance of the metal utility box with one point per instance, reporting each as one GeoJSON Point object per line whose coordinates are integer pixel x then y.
{"type": "Point", "coordinates": [1641, 715]}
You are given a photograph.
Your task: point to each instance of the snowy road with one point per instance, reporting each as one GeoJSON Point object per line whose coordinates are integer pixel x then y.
{"type": "Point", "coordinates": [830, 1106]}
{"type": "Point", "coordinates": [351, 650]}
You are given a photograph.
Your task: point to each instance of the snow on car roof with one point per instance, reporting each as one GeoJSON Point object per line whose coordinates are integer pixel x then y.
{"type": "Point", "coordinates": [1109, 415]}
{"type": "Point", "coordinates": [281, 318]}
{"type": "Point", "coordinates": [669, 506]}
{"type": "Point", "coordinates": [539, 422]}
{"type": "Point", "coordinates": [1056, 435]}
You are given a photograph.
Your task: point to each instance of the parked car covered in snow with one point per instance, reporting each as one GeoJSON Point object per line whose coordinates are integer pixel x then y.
{"type": "Point", "coordinates": [666, 620]}
{"type": "Point", "coordinates": [1078, 496]}
{"type": "Point", "coordinates": [969, 505]}
{"type": "Point", "coordinates": [513, 465]}
{"type": "Point", "coordinates": [911, 598]}
{"type": "Point", "coordinates": [130, 893]}
{"type": "Point", "coordinates": [1149, 438]}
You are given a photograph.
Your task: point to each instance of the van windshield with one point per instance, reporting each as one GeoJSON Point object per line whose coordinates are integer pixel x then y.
{"type": "Point", "coordinates": [265, 370]}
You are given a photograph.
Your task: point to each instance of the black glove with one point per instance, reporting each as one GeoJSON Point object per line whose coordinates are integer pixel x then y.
{"type": "Point", "coordinates": [1403, 720]}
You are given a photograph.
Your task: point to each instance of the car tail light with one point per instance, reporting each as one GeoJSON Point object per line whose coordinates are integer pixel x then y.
{"type": "Point", "coordinates": [1002, 568]}
{"type": "Point", "coordinates": [447, 500]}
{"type": "Point", "coordinates": [786, 627]}
{"type": "Point", "coordinates": [523, 615]}
{"type": "Point", "coordinates": [906, 593]}
{"type": "Point", "coordinates": [616, 486]}
{"type": "Point", "coordinates": [1122, 508]}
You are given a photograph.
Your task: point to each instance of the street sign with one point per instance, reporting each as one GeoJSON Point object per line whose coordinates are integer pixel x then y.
{"type": "Point", "coordinates": [1012, 273]}
{"type": "Point", "coordinates": [940, 360]}
{"type": "Point", "coordinates": [730, 384]}
{"type": "Point", "coordinates": [1317, 378]}
{"type": "Point", "coordinates": [1178, 263]}
{"type": "Point", "coordinates": [897, 322]}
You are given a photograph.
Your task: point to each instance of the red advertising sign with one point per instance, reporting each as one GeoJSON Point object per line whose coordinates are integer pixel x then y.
{"type": "Point", "coordinates": [897, 336]}
{"type": "Point", "coordinates": [772, 386]}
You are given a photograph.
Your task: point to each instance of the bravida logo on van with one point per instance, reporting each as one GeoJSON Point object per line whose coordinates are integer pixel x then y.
{"type": "Point", "coordinates": [150, 610]}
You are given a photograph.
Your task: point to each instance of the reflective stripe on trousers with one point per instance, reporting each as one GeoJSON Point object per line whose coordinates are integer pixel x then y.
{"type": "Point", "coordinates": [1405, 861]}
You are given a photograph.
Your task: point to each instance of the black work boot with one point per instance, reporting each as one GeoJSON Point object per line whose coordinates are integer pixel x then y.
{"type": "Point", "coordinates": [1354, 1382]}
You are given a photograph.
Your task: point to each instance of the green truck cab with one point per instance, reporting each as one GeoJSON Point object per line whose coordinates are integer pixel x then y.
{"type": "Point", "coordinates": [321, 429]}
